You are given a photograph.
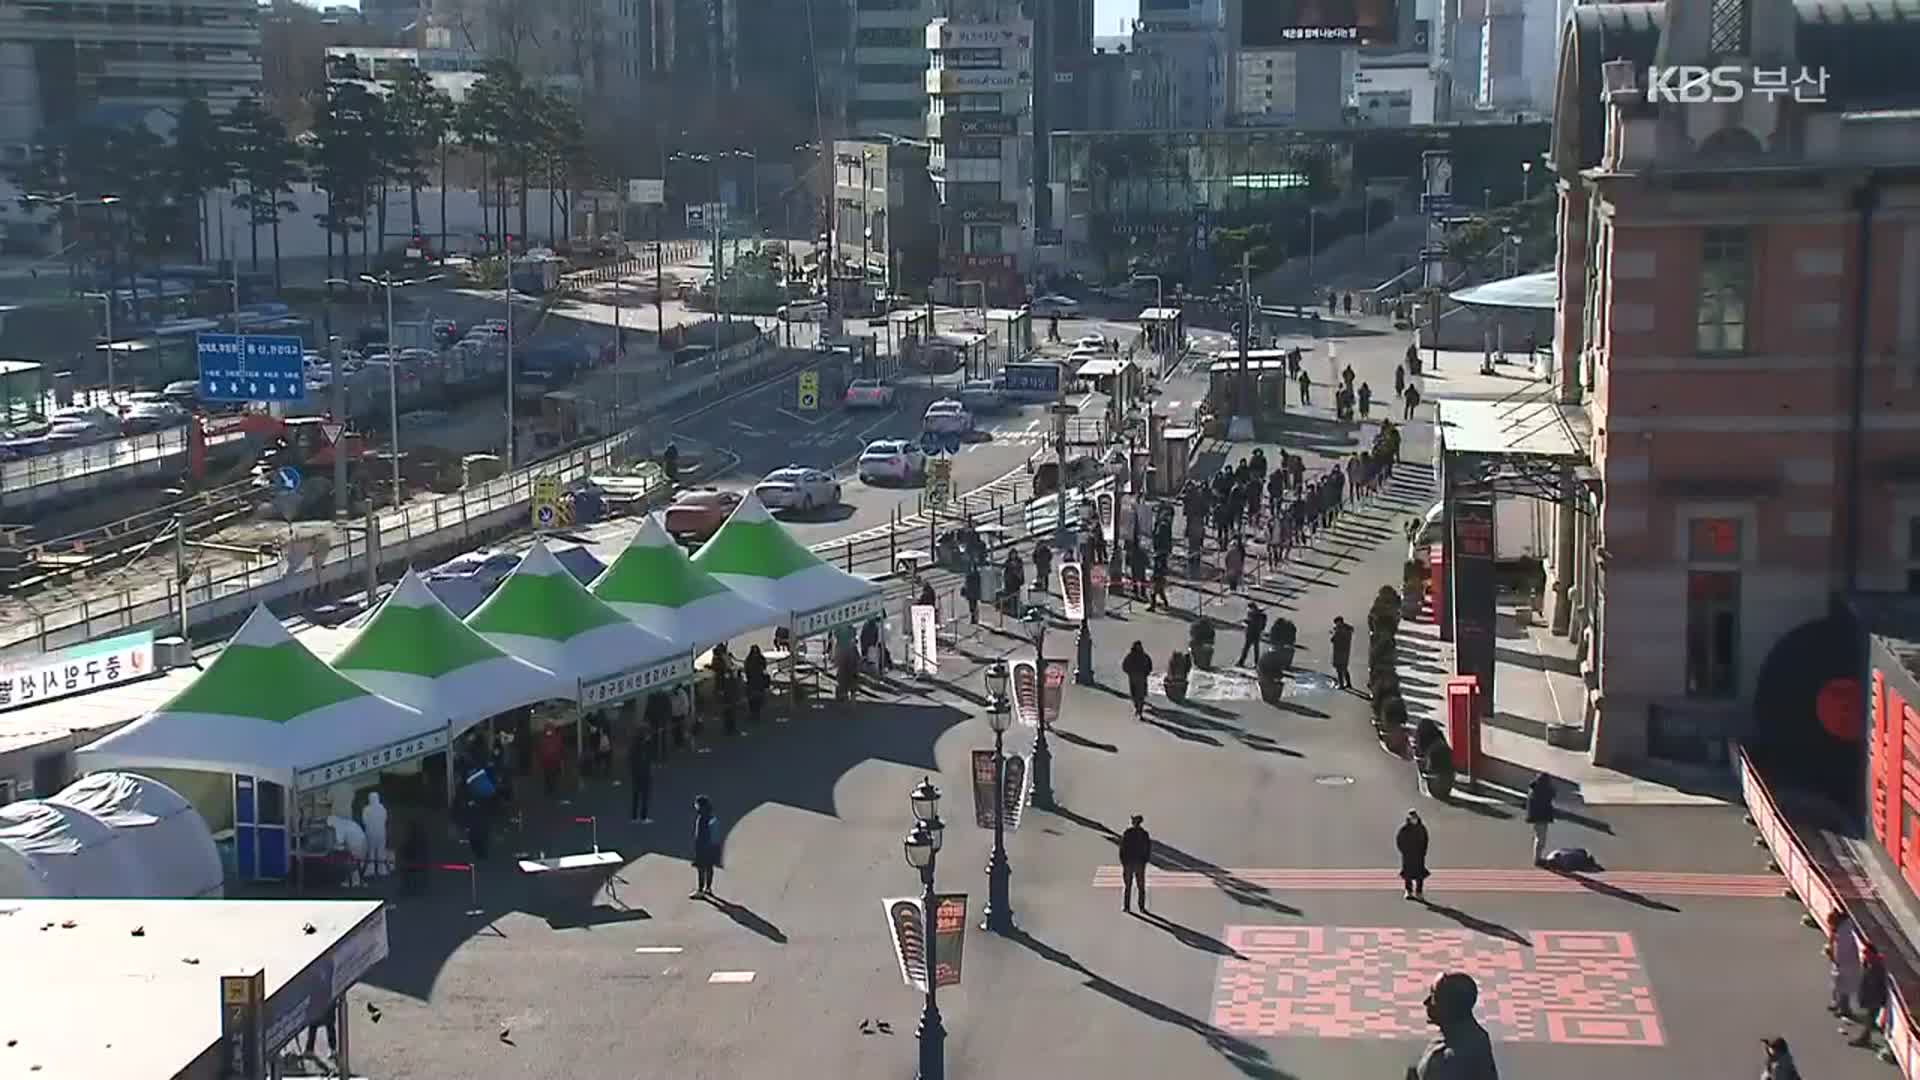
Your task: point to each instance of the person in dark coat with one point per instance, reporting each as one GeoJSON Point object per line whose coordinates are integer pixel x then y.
{"type": "Point", "coordinates": [1462, 1050]}
{"type": "Point", "coordinates": [1256, 625]}
{"type": "Point", "coordinates": [1412, 398]}
{"type": "Point", "coordinates": [1137, 666]}
{"type": "Point", "coordinates": [970, 588]}
{"type": "Point", "coordinates": [1342, 638]}
{"type": "Point", "coordinates": [1136, 851]}
{"type": "Point", "coordinates": [754, 668]}
{"type": "Point", "coordinates": [1779, 1064]}
{"type": "Point", "coordinates": [640, 774]}
{"type": "Point", "coordinates": [1412, 842]}
{"type": "Point", "coordinates": [706, 848]}
{"type": "Point", "coordinates": [1540, 796]}
{"type": "Point", "coordinates": [1871, 995]}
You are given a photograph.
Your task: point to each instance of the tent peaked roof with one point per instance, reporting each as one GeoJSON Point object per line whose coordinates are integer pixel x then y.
{"type": "Point", "coordinates": [266, 706]}
{"type": "Point", "coordinates": [543, 615]}
{"type": "Point", "coordinates": [755, 556]}
{"type": "Point", "coordinates": [656, 585]}
{"type": "Point", "coordinates": [416, 652]}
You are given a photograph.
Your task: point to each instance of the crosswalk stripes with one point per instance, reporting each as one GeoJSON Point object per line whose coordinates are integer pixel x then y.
{"type": "Point", "coordinates": [1626, 882]}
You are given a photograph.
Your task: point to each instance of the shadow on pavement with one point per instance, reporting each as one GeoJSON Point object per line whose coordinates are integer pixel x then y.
{"type": "Point", "coordinates": [1478, 924]}
{"type": "Point", "coordinates": [1616, 892]}
{"type": "Point", "coordinates": [1188, 936]}
{"type": "Point", "coordinates": [743, 915]}
{"type": "Point", "coordinates": [1081, 740]}
{"type": "Point", "coordinates": [1182, 733]}
{"type": "Point", "coordinates": [1248, 1058]}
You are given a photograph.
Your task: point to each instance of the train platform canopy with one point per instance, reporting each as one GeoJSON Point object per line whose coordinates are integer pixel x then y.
{"type": "Point", "coordinates": [753, 555]}
{"type": "Point", "coordinates": [267, 707]}
{"type": "Point", "coordinates": [1527, 292]}
{"type": "Point", "coordinates": [542, 614]}
{"type": "Point", "coordinates": [657, 586]}
{"type": "Point", "coordinates": [415, 651]}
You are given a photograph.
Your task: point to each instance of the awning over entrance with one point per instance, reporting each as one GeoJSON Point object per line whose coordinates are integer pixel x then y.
{"type": "Point", "coordinates": [1531, 292]}
{"type": "Point", "coordinates": [1521, 427]}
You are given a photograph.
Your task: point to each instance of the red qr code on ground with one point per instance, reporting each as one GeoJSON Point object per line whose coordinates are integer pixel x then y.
{"type": "Point", "coordinates": [1560, 986]}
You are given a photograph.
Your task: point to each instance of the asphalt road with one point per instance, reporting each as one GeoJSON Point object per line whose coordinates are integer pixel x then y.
{"type": "Point", "coordinates": [1252, 966]}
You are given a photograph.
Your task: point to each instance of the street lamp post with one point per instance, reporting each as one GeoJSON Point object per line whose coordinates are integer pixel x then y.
{"type": "Point", "coordinates": [1526, 180]}
{"type": "Point", "coordinates": [387, 282]}
{"type": "Point", "coordinates": [106, 307]}
{"type": "Point", "coordinates": [999, 914]}
{"type": "Point", "coordinates": [923, 850]}
{"type": "Point", "coordinates": [337, 388]}
{"type": "Point", "coordinates": [1035, 621]}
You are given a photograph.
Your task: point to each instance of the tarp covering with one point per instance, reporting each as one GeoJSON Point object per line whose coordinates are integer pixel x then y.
{"type": "Point", "coordinates": [545, 617]}
{"type": "Point", "coordinates": [753, 555]}
{"type": "Point", "coordinates": [1534, 292]}
{"type": "Point", "coordinates": [51, 850]}
{"type": "Point", "coordinates": [264, 707]}
{"type": "Point", "coordinates": [416, 652]}
{"type": "Point", "coordinates": [161, 835]}
{"type": "Point", "coordinates": [654, 584]}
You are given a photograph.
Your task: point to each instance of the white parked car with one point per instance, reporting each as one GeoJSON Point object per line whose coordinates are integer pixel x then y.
{"type": "Point", "coordinates": [145, 416]}
{"type": "Point", "coordinates": [1090, 341]}
{"type": "Point", "coordinates": [948, 417]}
{"type": "Point", "coordinates": [896, 460]}
{"type": "Point", "coordinates": [803, 311]}
{"type": "Point", "coordinates": [869, 394]}
{"type": "Point", "coordinates": [1054, 304]}
{"type": "Point", "coordinates": [798, 488]}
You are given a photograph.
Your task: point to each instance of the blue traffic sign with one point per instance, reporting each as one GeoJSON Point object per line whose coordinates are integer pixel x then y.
{"type": "Point", "coordinates": [251, 368]}
{"type": "Point", "coordinates": [287, 478]}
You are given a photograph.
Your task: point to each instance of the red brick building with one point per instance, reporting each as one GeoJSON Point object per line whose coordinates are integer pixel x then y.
{"type": "Point", "coordinates": [1737, 340]}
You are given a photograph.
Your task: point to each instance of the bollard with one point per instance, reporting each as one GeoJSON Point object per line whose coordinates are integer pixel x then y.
{"type": "Point", "coordinates": [592, 823]}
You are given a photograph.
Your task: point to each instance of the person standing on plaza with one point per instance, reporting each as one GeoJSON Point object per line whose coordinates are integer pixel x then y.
{"type": "Point", "coordinates": [1255, 625]}
{"type": "Point", "coordinates": [706, 848]}
{"type": "Point", "coordinates": [1411, 841]}
{"type": "Point", "coordinates": [1540, 795]}
{"type": "Point", "coordinates": [754, 670]}
{"type": "Point", "coordinates": [1412, 398]}
{"type": "Point", "coordinates": [1342, 640]}
{"type": "Point", "coordinates": [1137, 667]}
{"type": "Point", "coordinates": [1843, 963]}
{"type": "Point", "coordinates": [1158, 598]}
{"type": "Point", "coordinates": [1236, 563]}
{"type": "Point", "coordinates": [640, 775]}
{"type": "Point", "coordinates": [1871, 995]}
{"type": "Point", "coordinates": [1136, 851]}
{"type": "Point", "coordinates": [1306, 389]}
{"type": "Point", "coordinates": [970, 589]}
{"type": "Point", "coordinates": [1365, 396]}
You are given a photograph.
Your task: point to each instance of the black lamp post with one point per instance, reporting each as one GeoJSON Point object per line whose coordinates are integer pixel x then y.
{"type": "Point", "coordinates": [923, 848]}
{"type": "Point", "coordinates": [999, 871]}
{"type": "Point", "coordinates": [1035, 620]}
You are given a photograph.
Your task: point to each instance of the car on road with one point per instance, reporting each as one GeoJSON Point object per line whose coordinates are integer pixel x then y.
{"type": "Point", "coordinates": [804, 311]}
{"type": "Point", "coordinates": [947, 417]}
{"type": "Point", "coordinates": [1090, 341]}
{"type": "Point", "coordinates": [1054, 304]}
{"type": "Point", "coordinates": [983, 395]}
{"type": "Point", "coordinates": [797, 487]}
{"type": "Point", "coordinates": [151, 414]}
{"type": "Point", "coordinates": [869, 394]}
{"type": "Point", "coordinates": [186, 392]}
{"type": "Point", "coordinates": [697, 513]}
{"type": "Point", "coordinates": [896, 460]}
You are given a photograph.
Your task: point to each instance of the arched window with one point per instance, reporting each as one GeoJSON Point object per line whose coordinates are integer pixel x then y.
{"type": "Point", "coordinates": [1730, 29]}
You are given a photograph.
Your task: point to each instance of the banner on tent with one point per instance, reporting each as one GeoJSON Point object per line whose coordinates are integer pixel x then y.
{"type": "Point", "coordinates": [923, 644]}
{"type": "Point", "coordinates": [632, 682]}
{"type": "Point", "coordinates": [395, 753]}
{"type": "Point", "coordinates": [1072, 592]}
{"type": "Point", "coordinates": [832, 618]}
{"type": "Point", "coordinates": [1024, 701]}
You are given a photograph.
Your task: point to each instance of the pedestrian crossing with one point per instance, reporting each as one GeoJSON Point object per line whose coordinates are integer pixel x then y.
{"type": "Point", "coordinates": [1625, 884]}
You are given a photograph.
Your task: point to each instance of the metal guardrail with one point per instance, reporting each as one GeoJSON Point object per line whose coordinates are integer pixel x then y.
{"type": "Point", "coordinates": [19, 480]}
{"type": "Point", "coordinates": [465, 518]}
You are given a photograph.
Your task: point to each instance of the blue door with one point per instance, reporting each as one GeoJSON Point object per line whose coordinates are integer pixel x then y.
{"type": "Point", "coordinates": [259, 829]}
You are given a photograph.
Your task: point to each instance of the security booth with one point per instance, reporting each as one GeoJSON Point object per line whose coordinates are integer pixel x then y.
{"type": "Point", "coordinates": [949, 351]}
{"type": "Point", "coordinates": [907, 331]}
{"type": "Point", "coordinates": [1117, 377]}
{"type": "Point", "coordinates": [1015, 327]}
{"type": "Point", "coordinates": [23, 393]}
{"type": "Point", "coordinates": [1165, 331]}
{"type": "Point", "coordinates": [1266, 368]}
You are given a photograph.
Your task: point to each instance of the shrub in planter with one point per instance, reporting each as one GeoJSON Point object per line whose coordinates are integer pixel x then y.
{"type": "Point", "coordinates": [1383, 684]}
{"type": "Point", "coordinates": [1179, 667]}
{"type": "Point", "coordinates": [1392, 727]}
{"type": "Point", "coordinates": [1200, 644]}
{"type": "Point", "coordinates": [1273, 675]}
{"type": "Point", "coordinates": [1436, 770]}
{"type": "Point", "coordinates": [1282, 643]}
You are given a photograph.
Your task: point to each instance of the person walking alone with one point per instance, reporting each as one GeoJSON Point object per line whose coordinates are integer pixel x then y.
{"type": "Point", "coordinates": [640, 776]}
{"type": "Point", "coordinates": [1136, 850]}
{"type": "Point", "coordinates": [1255, 625]}
{"type": "Point", "coordinates": [706, 848]}
{"type": "Point", "coordinates": [1412, 398]}
{"type": "Point", "coordinates": [1411, 840]}
{"type": "Point", "coordinates": [1540, 795]}
{"type": "Point", "coordinates": [970, 588]}
{"type": "Point", "coordinates": [1342, 640]}
{"type": "Point", "coordinates": [1137, 667]}
{"type": "Point", "coordinates": [1843, 964]}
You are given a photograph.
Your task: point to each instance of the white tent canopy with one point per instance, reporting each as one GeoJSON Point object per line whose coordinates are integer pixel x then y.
{"type": "Point", "coordinates": [51, 850]}
{"type": "Point", "coordinates": [416, 652]}
{"type": "Point", "coordinates": [753, 555]}
{"type": "Point", "coordinates": [268, 707]}
{"type": "Point", "coordinates": [163, 839]}
{"type": "Point", "coordinates": [654, 584]}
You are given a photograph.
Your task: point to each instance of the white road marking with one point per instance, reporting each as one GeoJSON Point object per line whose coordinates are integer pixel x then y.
{"type": "Point", "coordinates": [730, 977]}
{"type": "Point", "coordinates": [659, 949]}
{"type": "Point", "coordinates": [810, 421]}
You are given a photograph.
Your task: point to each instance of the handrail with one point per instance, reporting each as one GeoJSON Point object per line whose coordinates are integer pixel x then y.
{"type": "Point", "coordinates": [1810, 883]}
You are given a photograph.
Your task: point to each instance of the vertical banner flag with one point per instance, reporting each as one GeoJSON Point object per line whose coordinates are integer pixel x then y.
{"type": "Point", "coordinates": [906, 925]}
{"type": "Point", "coordinates": [925, 648]}
{"type": "Point", "coordinates": [1109, 514]}
{"type": "Point", "coordinates": [1025, 693]}
{"type": "Point", "coordinates": [1019, 787]}
{"type": "Point", "coordinates": [949, 937]}
{"type": "Point", "coordinates": [1097, 588]}
{"type": "Point", "coordinates": [1072, 580]}
{"type": "Point", "coordinates": [1056, 683]}
{"type": "Point", "coordinates": [983, 788]}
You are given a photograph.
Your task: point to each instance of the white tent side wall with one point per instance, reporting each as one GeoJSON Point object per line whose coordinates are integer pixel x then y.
{"type": "Point", "coordinates": [73, 852]}
{"type": "Point", "coordinates": [157, 831]}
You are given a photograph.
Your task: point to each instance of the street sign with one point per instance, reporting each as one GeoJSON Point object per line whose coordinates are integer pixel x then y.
{"type": "Point", "coordinates": [287, 478]}
{"type": "Point", "coordinates": [647, 192]}
{"type": "Point", "coordinates": [332, 432]}
{"type": "Point", "coordinates": [939, 481]}
{"type": "Point", "coordinates": [262, 368]}
{"type": "Point", "coordinates": [242, 1016]}
{"type": "Point", "coordinates": [546, 502]}
{"type": "Point", "coordinates": [696, 216]}
{"type": "Point", "coordinates": [809, 390]}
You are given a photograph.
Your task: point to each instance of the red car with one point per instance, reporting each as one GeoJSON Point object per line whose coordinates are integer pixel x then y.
{"type": "Point", "coordinates": [697, 513]}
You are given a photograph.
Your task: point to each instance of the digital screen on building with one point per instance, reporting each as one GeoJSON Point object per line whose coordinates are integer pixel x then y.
{"type": "Point", "coordinates": [1273, 24]}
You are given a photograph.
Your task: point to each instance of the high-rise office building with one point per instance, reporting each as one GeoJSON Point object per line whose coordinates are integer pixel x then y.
{"type": "Point", "coordinates": [889, 84]}
{"type": "Point", "coordinates": [979, 126]}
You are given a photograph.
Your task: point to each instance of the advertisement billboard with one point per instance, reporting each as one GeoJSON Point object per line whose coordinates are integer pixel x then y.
{"type": "Point", "coordinates": [1000, 213]}
{"type": "Point", "coordinates": [978, 125]}
{"type": "Point", "coordinates": [1273, 24]}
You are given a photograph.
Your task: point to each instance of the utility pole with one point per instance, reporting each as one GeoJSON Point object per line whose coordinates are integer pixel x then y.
{"type": "Point", "coordinates": [510, 462]}
{"type": "Point", "coordinates": [339, 388]}
{"type": "Point", "coordinates": [180, 572]}
{"type": "Point", "coordinates": [1245, 394]}
{"type": "Point", "coordinates": [660, 269]}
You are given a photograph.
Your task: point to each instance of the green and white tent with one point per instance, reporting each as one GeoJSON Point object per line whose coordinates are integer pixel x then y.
{"type": "Point", "coordinates": [755, 556]}
{"type": "Point", "coordinates": [267, 707]}
{"type": "Point", "coordinates": [415, 651]}
{"type": "Point", "coordinates": [654, 584]}
{"type": "Point", "coordinates": [543, 615]}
